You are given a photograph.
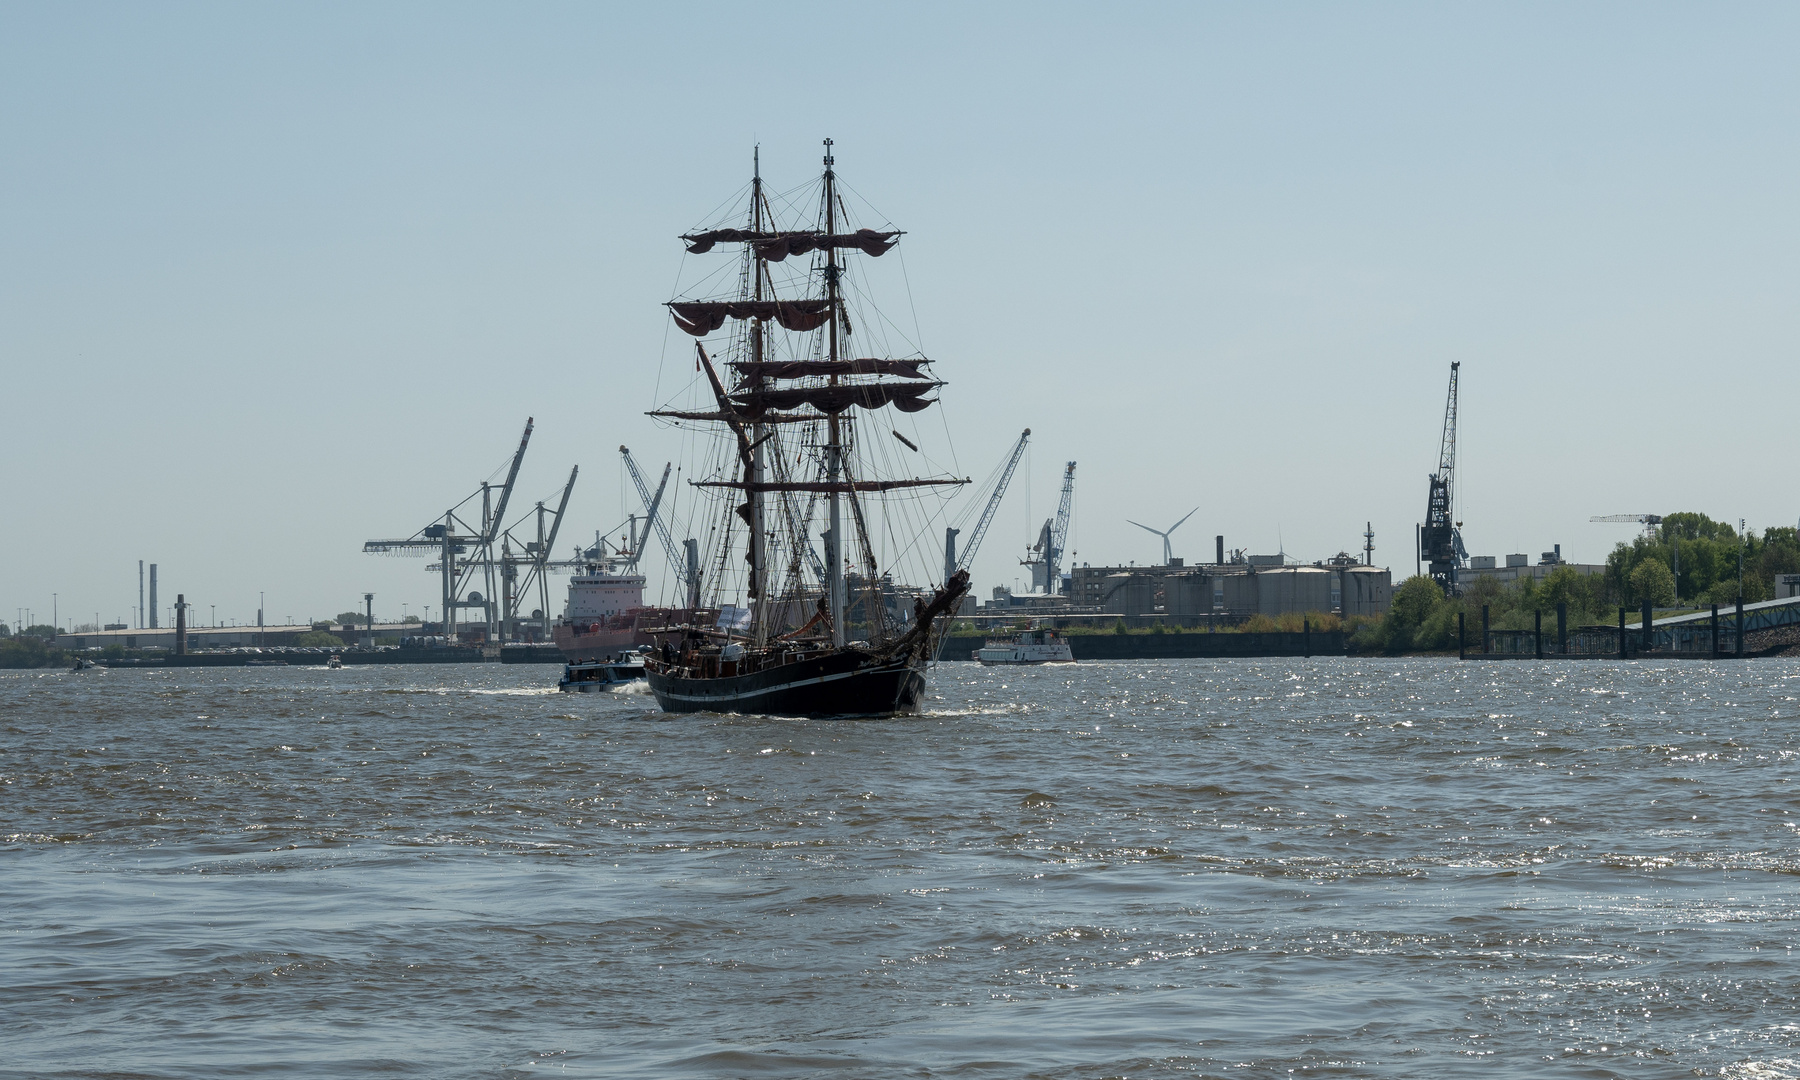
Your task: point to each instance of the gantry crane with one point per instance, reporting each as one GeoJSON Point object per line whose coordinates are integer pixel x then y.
{"type": "Point", "coordinates": [684, 559]}
{"type": "Point", "coordinates": [536, 563]}
{"type": "Point", "coordinates": [1047, 553]}
{"type": "Point", "coordinates": [1440, 537]}
{"type": "Point", "coordinates": [453, 538]}
{"type": "Point", "coordinates": [638, 537]}
{"type": "Point", "coordinates": [954, 561]}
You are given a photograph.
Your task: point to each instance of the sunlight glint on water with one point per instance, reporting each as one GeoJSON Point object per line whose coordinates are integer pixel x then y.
{"type": "Point", "coordinates": [1246, 868]}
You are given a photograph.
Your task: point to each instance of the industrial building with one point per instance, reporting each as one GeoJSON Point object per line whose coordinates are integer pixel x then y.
{"type": "Point", "coordinates": [1256, 585]}
{"type": "Point", "coordinates": [1519, 567]}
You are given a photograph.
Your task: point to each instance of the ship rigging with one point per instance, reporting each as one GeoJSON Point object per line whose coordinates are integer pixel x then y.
{"type": "Point", "coordinates": [790, 400]}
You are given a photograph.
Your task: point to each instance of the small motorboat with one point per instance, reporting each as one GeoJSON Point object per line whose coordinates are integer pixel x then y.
{"type": "Point", "coordinates": [1030, 647]}
{"type": "Point", "coordinates": [593, 676]}
{"type": "Point", "coordinates": [82, 663]}
{"type": "Point", "coordinates": [335, 661]}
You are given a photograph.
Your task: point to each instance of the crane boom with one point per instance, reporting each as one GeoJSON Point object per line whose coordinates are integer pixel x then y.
{"type": "Point", "coordinates": [1060, 535]}
{"type": "Point", "coordinates": [556, 522]}
{"type": "Point", "coordinates": [677, 560]}
{"type": "Point", "coordinates": [650, 518]}
{"type": "Point", "coordinates": [993, 504]}
{"type": "Point", "coordinates": [512, 476]}
{"type": "Point", "coordinates": [1648, 521]}
{"type": "Point", "coordinates": [1447, 447]}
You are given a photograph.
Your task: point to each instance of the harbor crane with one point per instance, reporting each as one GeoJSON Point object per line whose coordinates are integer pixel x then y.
{"type": "Point", "coordinates": [638, 537]}
{"type": "Point", "coordinates": [1440, 537]}
{"type": "Point", "coordinates": [466, 550]}
{"type": "Point", "coordinates": [954, 561]}
{"type": "Point", "coordinates": [1648, 521]}
{"type": "Point", "coordinates": [1047, 553]}
{"type": "Point", "coordinates": [536, 562]}
{"type": "Point", "coordinates": [684, 559]}
{"type": "Point", "coordinates": [1168, 551]}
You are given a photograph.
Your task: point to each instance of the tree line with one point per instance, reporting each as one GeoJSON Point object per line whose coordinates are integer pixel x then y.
{"type": "Point", "coordinates": [1689, 561]}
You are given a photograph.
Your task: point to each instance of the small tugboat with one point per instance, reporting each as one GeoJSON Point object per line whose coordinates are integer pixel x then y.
{"type": "Point", "coordinates": [1030, 647]}
{"type": "Point", "coordinates": [593, 676]}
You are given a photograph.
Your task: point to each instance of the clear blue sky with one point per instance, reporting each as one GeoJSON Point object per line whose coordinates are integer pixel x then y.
{"type": "Point", "coordinates": [278, 278]}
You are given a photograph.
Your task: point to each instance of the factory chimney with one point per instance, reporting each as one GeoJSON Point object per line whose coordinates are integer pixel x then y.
{"type": "Point", "coordinates": [1219, 543]}
{"type": "Point", "coordinates": [180, 625]}
{"type": "Point", "coordinates": [140, 613]}
{"type": "Point", "coordinates": [152, 607]}
{"type": "Point", "coordinates": [369, 639]}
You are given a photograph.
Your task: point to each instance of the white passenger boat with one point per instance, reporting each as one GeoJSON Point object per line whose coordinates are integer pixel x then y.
{"type": "Point", "coordinates": [593, 676]}
{"type": "Point", "coordinates": [1030, 647]}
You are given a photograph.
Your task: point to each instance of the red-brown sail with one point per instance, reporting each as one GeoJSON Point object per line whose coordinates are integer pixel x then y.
{"type": "Point", "coordinates": [825, 486]}
{"type": "Point", "coordinates": [907, 397]}
{"type": "Point", "coordinates": [776, 246]}
{"type": "Point", "coordinates": [806, 369]}
{"type": "Point", "coordinates": [702, 317]}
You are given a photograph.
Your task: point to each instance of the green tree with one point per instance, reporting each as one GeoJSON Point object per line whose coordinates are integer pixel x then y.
{"type": "Point", "coordinates": [351, 618]}
{"type": "Point", "coordinates": [318, 639]}
{"type": "Point", "coordinates": [1651, 581]}
{"type": "Point", "coordinates": [1414, 602]}
{"type": "Point", "coordinates": [29, 651]}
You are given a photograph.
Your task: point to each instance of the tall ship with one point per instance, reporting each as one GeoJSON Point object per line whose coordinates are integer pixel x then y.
{"type": "Point", "coordinates": [804, 410]}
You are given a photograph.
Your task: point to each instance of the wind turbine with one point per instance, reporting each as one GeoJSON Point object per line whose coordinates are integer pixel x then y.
{"type": "Point", "coordinates": [1168, 553]}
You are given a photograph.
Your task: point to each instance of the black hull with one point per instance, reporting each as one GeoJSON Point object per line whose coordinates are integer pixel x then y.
{"type": "Point", "coordinates": [841, 684]}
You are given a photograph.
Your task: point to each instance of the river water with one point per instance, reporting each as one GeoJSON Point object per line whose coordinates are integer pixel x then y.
{"type": "Point", "coordinates": [1245, 868]}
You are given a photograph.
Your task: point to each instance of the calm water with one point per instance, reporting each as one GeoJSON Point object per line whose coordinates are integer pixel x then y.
{"type": "Point", "coordinates": [1232, 868]}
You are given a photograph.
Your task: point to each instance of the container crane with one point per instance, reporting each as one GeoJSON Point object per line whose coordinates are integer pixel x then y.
{"type": "Point", "coordinates": [536, 563]}
{"type": "Point", "coordinates": [953, 561]}
{"type": "Point", "coordinates": [1047, 553]}
{"type": "Point", "coordinates": [684, 560]}
{"type": "Point", "coordinates": [453, 538]}
{"type": "Point", "coordinates": [1440, 537]}
{"type": "Point", "coordinates": [650, 519]}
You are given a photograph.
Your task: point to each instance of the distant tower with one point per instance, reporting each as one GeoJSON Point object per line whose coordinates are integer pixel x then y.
{"type": "Point", "coordinates": [369, 641]}
{"type": "Point", "coordinates": [152, 607]}
{"type": "Point", "coordinates": [140, 613]}
{"type": "Point", "coordinates": [1368, 543]}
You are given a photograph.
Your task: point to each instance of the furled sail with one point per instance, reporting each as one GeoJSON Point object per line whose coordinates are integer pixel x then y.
{"type": "Point", "coordinates": [776, 246]}
{"type": "Point", "coordinates": [722, 417]}
{"type": "Point", "coordinates": [826, 487]}
{"type": "Point", "coordinates": [907, 397]}
{"type": "Point", "coordinates": [804, 369]}
{"type": "Point", "coordinates": [702, 317]}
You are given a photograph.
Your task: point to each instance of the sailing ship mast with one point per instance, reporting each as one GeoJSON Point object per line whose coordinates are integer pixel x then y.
{"type": "Point", "coordinates": [834, 451]}
{"type": "Point", "coordinates": [759, 532]}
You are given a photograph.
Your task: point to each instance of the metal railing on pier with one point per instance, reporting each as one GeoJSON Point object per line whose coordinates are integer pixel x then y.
{"type": "Point", "coordinates": [1707, 636]}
